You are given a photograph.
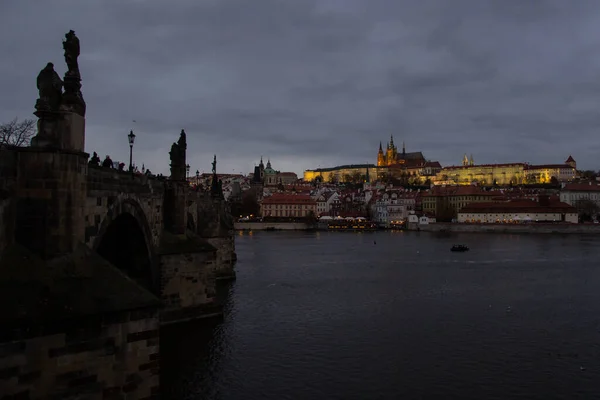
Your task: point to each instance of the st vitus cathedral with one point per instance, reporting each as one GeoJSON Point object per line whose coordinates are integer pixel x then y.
{"type": "Point", "coordinates": [391, 156]}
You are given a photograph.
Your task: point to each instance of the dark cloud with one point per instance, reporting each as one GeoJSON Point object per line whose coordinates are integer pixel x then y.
{"type": "Point", "coordinates": [319, 82]}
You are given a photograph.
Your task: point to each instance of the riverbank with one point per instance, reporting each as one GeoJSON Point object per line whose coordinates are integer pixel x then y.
{"type": "Point", "coordinates": [516, 228]}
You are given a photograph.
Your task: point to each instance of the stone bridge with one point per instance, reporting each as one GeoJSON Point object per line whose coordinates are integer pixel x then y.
{"type": "Point", "coordinates": [94, 260]}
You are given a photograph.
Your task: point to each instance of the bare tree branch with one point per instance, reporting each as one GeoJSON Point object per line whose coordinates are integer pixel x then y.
{"type": "Point", "coordinates": [17, 133]}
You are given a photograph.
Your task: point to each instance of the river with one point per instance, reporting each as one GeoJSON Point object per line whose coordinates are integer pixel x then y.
{"type": "Point", "coordinates": [396, 315]}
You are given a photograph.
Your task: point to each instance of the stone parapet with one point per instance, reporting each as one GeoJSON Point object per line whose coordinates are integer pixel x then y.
{"type": "Point", "coordinates": [114, 181]}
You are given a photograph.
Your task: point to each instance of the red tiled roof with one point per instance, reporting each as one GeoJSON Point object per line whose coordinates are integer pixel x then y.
{"type": "Point", "coordinates": [549, 166]}
{"type": "Point", "coordinates": [518, 206]}
{"type": "Point", "coordinates": [570, 159]}
{"type": "Point", "coordinates": [582, 187]}
{"type": "Point", "coordinates": [440, 191]}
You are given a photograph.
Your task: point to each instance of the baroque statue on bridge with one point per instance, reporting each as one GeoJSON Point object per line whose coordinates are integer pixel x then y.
{"type": "Point", "coordinates": [71, 47]}
{"type": "Point", "coordinates": [49, 86]}
{"type": "Point", "coordinates": [72, 99]}
{"type": "Point", "coordinates": [178, 156]}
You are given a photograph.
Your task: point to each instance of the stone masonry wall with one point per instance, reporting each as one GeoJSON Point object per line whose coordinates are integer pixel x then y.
{"type": "Point", "coordinates": [50, 200]}
{"type": "Point", "coordinates": [225, 259]}
{"type": "Point", "coordinates": [188, 286]}
{"type": "Point", "coordinates": [110, 357]}
{"type": "Point", "coordinates": [283, 226]}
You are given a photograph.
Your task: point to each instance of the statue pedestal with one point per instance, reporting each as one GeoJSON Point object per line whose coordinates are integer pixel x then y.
{"type": "Point", "coordinates": [64, 130]}
{"type": "Point", "coordinates": [71, 131]}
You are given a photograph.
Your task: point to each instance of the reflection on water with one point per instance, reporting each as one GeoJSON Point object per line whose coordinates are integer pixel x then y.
{"type": "Point", "coordinates": [388, 315]}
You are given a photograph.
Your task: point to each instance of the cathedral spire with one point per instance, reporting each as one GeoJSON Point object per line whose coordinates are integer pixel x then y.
{"type": "Point", "coordinates": [403, 148]}
{"type": "Point", "coordinates": [392, 141]}
{"type": "Point", "coordinates": [380, 149]}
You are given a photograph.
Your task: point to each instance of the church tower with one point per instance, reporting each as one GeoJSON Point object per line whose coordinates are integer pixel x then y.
{"type": "Point", "coordinates": [380, 157]}
{"type": "Point", "coordinates": [261, 166]}
{"type": "Point", "coordinates": [465, 161]}
{"type": "Point", "coordinates": [392, 152]}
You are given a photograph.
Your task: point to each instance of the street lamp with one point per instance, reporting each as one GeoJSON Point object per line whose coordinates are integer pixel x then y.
{"type": "Point", "coordinates": [131, 138]}
{"type": "Point", "coordinates": [187, 170]}
{"type": "Point", "coordinates": [197, 177]}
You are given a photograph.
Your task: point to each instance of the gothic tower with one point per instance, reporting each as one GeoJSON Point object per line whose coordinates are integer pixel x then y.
{"type": "Point", "coordinates": [392, 152]}
{"type": "Point", "coordinates": [380, 157]}
{"type": "Point", "coordinates": [465, 161]}
{"type": "Point", "coordinates": [261, 166]}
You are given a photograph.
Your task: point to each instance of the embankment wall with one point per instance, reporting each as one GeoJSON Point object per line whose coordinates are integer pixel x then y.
{"type": "Point", "coordinates": [505, 228]}
{"type": "Point", "coordinates": [260, 226]}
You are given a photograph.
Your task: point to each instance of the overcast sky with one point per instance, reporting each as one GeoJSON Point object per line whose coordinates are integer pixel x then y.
{"type": "Point", "coordinates": [311, 83]}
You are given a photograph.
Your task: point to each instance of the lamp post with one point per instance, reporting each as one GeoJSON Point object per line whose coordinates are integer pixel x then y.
{"type": "Point", "coordinates": [197, 177]}
{"type": "Point", "coordinates": [131, 138]}
{"type": "Point", "coordinates": [187, 171]}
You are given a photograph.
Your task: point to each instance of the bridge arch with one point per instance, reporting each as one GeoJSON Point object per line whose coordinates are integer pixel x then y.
{"type": "Point", "coordinates": [125, 240]}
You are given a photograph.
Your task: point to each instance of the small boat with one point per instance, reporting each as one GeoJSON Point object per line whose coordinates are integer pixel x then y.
{"type": "Point", "coordinates": [459, 247]}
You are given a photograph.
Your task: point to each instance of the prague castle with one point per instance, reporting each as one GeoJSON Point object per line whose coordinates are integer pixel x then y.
{"type": "Point", "coordinates": [413, 168]}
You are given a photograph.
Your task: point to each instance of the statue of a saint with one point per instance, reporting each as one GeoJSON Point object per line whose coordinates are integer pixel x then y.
{"type": "Point", "coordinates": [71, 46]}
{"type": "Point", "coordinates": [174, 155]}
{"type": "Point", "coordinates": [49, 86]}
{"type": "Point", "coordinates": [182, 142]}
{"type": "Point", "coordinates": [214, 165]}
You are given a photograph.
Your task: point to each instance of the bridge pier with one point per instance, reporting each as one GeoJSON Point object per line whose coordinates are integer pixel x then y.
{"type": "Point", "coordinates": [215, 225]}
{"type": "Point", "coordinates": [225, 256]}
{"type": "Point", "coordinates": [188, 282]}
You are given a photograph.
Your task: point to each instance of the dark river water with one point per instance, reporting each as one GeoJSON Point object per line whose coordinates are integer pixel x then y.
{"type": "Point", "coordinates": [396, 315]}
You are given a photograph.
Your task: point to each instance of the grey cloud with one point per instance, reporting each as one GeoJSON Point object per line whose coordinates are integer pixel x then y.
{"type": "Point", "coordinates": [319, 82]}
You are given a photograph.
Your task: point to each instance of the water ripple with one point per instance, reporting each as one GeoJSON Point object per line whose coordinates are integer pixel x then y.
{"type": "Point", "coordinates": [333, 316]}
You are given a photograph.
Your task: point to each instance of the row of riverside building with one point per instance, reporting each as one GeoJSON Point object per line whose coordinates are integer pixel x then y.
{"type": "Point", "coordinates": [386, 205]}
{"type": "Point", "coordinates": [456, 193]}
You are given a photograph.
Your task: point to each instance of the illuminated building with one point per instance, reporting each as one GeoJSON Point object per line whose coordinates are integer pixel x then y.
{"type": "Point", "coordinates": [521, 211]}
{"type": "Point", "coordinates": [508, 174]}
{"type": "Point", "coordinates": [286, 205]}
{"type": "Point", "coordinates": [344, 173]}
{"type": "Point", "coordinates": [445, 201]}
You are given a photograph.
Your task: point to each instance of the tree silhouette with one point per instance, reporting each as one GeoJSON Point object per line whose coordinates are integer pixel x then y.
{"type": "Point", "coordinates": [17, 133]}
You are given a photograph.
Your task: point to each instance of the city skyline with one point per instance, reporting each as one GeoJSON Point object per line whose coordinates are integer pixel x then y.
{"type": "Point", "coordinates": [320, 83]}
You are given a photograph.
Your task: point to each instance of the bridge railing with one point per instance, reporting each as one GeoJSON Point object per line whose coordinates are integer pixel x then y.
{"type": "Point", "coordinates": [100, 178]}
